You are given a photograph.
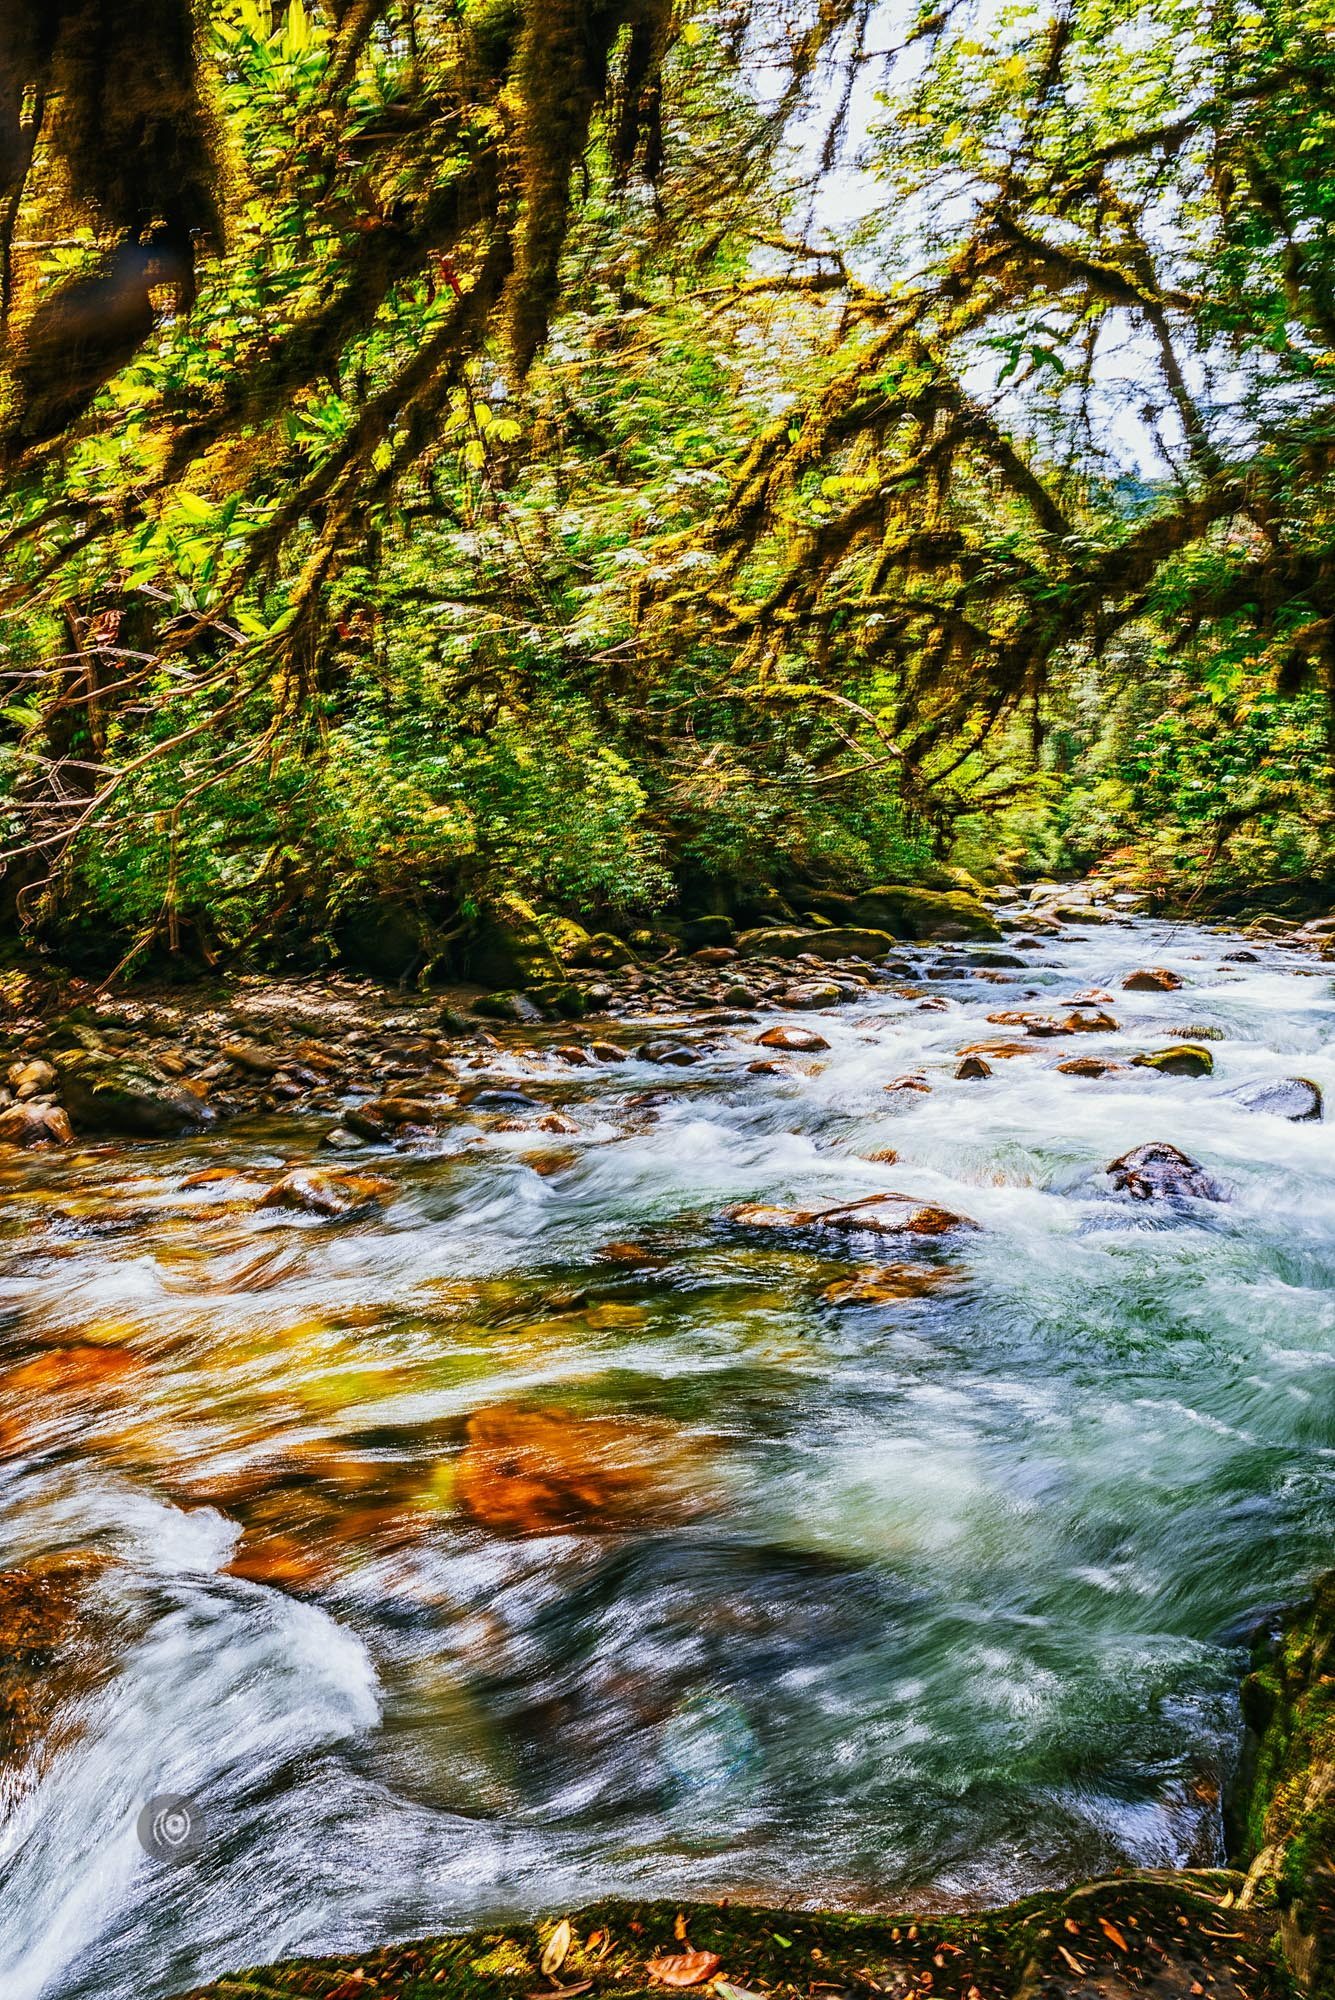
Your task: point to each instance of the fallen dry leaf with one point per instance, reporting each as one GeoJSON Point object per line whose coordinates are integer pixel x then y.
{"type": "Point", "coordinates": [1111, 1931]}
{"type": "Point", "coordinates": [686, 1968]}
{"type": "Point", "coordinates": [557, 1949]}
{"type": "Point", "coordinates": [1071, 1959]}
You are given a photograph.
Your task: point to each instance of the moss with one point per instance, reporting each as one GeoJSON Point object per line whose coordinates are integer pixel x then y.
{"type": "Point", "coordinates": [1155, 1931]}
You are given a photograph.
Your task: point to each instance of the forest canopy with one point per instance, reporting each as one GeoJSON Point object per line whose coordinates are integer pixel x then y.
{"type": "Point", "coordinates": [630, 453]}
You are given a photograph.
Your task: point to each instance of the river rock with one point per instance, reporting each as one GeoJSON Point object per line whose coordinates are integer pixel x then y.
{"type": "Point", "coordinates": [507, 1006]}
{"type": "Point", "coordinates": [1188, 1059]}
{"type": "Point", "coordinates": [34, 1124]}
{"type": "Point", "coordinates": [1293, 1097]}
{"type": "Point", "coordinates": [925, 913]}
{"type": "Point", "coordinates": [324, 1191]}
{"type": "Point", "coordinates": [971, 1068]}
{"type": "Point", "coordinates": [31, 1078]}
{"type": "Point", "coordinates": [1071, 1024]}
{"type": "Point", "coordinates": [124, 1095]}
{"type": "Point", "coordinates": [1094, 1066]}
{"type": "Point", "coordinates": [56, 1646]}
{"type": "Point", "coordinates": [1151, 979]}
{"type": "Point", "coordinates": [810, 995]}
{"type": "Point", "coordinates": [878, 1214]}
{"type": "Point", "coordinates": [672, 1055]}
{"type": "Point", "coordinates": [543, 1472]}
{"type": "Point", "coordinates": [827, 943]}
{"type": "Point", "coordinates": [801, 1041]}
{"type": "Point", "coordinates": [1160, 1171]}
{"type": "Point", "coordinates": [887, 1284]}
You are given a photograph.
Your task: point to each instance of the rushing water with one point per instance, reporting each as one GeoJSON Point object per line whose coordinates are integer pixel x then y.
{"type": "Point", "coordinates": [940, 1597]}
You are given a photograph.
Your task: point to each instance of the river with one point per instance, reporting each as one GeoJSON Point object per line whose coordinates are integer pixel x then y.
{"type": "Point", "coordinates": [940, 1597]}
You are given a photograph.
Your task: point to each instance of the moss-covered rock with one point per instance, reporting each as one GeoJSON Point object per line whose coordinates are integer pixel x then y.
{"type": "Point", "coordinates": [122, 1095]}
{"type": "Point", "coordinates": [924, 913]}
{"type": "Point", "coordinates": [1187, 1059]}
{"type": "Point", "coordinates": [1284, 1814]}
{"type": "Point", "coordinates": [828, 943]}
{"type": "Point", "coordinates": [508, 948]}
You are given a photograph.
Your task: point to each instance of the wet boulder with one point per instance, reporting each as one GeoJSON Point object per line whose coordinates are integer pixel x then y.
{"type": "Point", "coordinates": [890, 1214]}
{"type": "Point", "coordinates": [925, 913]}
{"type": "Point", "coordinates": [507, 1006]}
{"type": "Point", "coordinates": [1151, 979]}
{"type": "Point", "coordinates": [1162, 1172]}
{"type": "Point", "coordinates": [325, 1192]}
{"type": "Point", "coordinates": [972, 1068]}
{"type": "Point", "coordinates": [57, 1643]}
{"type": "Point", "coordinates": [799, 1041]}
{"type": "Point", "coordinates": [1293, 1097]}
{"type": "Point", "coordinates": [1093, 1066]}
{"type": "Point", "coordinates": [888, 1284]}
{"type": "Point", "coordinates": [34, 1124]}
{"type": "Point", "coordinates": [810, 995]}
{"type": "Point", "coordinates": [127, 1096]}
{"type": "Point", "coordinates": [1187, 1059]}
{"type": "Point", "coordinates": [826, 942]}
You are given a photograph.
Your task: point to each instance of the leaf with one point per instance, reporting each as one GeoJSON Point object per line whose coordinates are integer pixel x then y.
{"type": "Point", "coordinates": [1111, 1931]}
{"type": "Point", "coordinates": [194, 507]}
{"type": "Point", "coordinates": [557, 1948]}
{"type": "Point", "coordinates": [679, 1928]}
{"type": "Point", "coordinates": [687, 1968]}
{"type": "Point", "coordinates": [727, 1991]}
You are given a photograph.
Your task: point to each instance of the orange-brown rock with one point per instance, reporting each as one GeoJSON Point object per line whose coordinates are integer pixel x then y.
{"type": "Point", "coordinates": [801, 1041]}
{"type": "Point", "coordinates": [879, 1214]}
{"type": "Point", "coordinates": [543, 1472]}
{"type": "Point", "coordinates": [318, 1191]}
{"type": "Point", "coordinates": [1151, 979]}
{"type": "Point", "coordinates": [884, 1284]}
{"type": "Point", "coordinates": [998, 1051]}
{"type": "Point", "coordinates": [1092, 1066]}
{"type": "Point", "coordinates": [55, 1647]}
{"type": "Point", "coordinates": [35, 1124]}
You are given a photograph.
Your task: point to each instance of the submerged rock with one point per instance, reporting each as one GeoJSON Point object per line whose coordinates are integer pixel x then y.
{"type": "Point", "coordinates": [1160, 1172]}
{"type": "Point", "coordinates": [886, 1284]}
{"type": "Point", "coordinates": [1188, 1059]}
{"type": "Point", "coordinates": [543, 1472]}
{"type": "Point", "coordinates": [1293, 1097]}
{"type": "Point", "coordinates": [55, 1647]}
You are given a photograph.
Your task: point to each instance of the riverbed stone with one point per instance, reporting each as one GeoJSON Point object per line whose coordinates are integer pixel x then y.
{"type": "Point", "coordinates": [890, 1214]}
{"type": "Point", "coordinates": [1187, 1059]}
{"type": "Point", "coordinates": [127, 1096]}
{"type": "Point", "coordinates": [888, 1284]}
{"type": "Point", "coordinates": [326, 1192]}
{"type": "Point", "coordinates": [548, 1472]}
{"type": "Point", "coordinates": [824, 943]}
{"type": "Point", "coordinates": [1160, 1171]}
{"type": "Point", "coordinates": [1151, 979]}
{"type": "Point", "coordinates": [35, 1124]}
{"type": "Point", "coordinates": [800, 1041]}
{"type": "Point", "coordinates": [1294, 1097]}
{"type": "Point", "coordinates": [914, 913]}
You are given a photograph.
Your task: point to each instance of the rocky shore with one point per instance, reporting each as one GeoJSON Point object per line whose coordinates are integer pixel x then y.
{"type": "Point", "coordinates": [385, 1063]}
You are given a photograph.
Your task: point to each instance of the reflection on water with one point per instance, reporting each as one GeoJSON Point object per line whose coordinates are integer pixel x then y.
{"type": "Point", "coordinates": [541, 1534]}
